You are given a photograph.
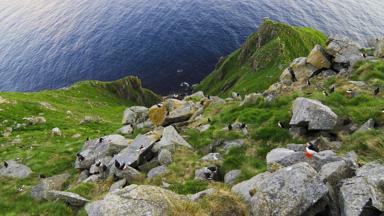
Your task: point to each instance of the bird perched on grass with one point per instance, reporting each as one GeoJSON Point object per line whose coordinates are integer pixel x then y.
{"type": "Point", "coordinates": [332, 89]}
{"type": "Point", "coordinates": [325, 93]}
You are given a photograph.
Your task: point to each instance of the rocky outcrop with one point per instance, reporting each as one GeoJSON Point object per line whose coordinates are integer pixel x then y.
{"type": "Point", "coordinates": [319, 58]}
{"type": "Point", "coordinates": [364, 193]}
{"type": "Point", "coordinates": [14, 169]}
{"type": "Point", "coordinates": [299, 71]}
{"type": "Point", "coordinates": [138, 152]}
{"type": "Point", "coordinates": [312, 114]}
{"type": "Point", "coordinates": [284, 157]}
{"type": "Point", "coordinates": [94, 150]}
{"type": "Point", "coordinates": [344, 50]}
{"type": "Point", "coordinates": [291, 191]}
{"type": "Point", "coordinates": [39, 191]}
{"type": "Point", "coordinates": [170, 139]}
{"type": "Point", "coordinates": [135, 115]}
{"type": "Point", "coordinates": [138, 200]}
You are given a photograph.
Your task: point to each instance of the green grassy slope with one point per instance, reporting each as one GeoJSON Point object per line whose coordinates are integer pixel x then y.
{"type": "Point", "coordinates": [48, 155]}
{"type": "Point", "coordinates": [261, 59]}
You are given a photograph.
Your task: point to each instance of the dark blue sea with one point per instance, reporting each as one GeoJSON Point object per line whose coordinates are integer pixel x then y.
{"type": "Point", "coordinates": [53, 43]}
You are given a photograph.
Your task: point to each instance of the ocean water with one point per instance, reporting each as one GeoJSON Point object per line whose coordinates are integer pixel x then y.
{"type": "Point", "coordinates": [54, 43]}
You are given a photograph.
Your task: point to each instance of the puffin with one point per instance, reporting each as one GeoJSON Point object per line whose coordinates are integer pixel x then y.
{"type": "Point", "coordinates": [230, 127]}
{"type": "Point", "coordinates": [280, 124]}
{"type": "Point", "coordinates": [101, 139]}
{"type": "Point", "coordinates": [5, 164]}
{"type": "Point", "coordinates": [310, 150]}
{"type": "Point", "coordinates": [80, 157]}
{"type": "Point", "coordinates": [244, 128]}
{"type": "Point", "coordinates": [325, 93]}
{"type": "Point", "coordinates": [159, 105]}
{"type": "Point", "coordinates": [376, 91]}
{"type": "Point", "coordinates": [308, 83]}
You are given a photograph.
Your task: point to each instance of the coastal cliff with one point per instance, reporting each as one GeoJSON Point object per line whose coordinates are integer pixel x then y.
{"type": "Point", "coordinates": [289, 124]}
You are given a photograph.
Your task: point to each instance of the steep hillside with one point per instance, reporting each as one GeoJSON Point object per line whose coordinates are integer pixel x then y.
{"type": "Point", "coordinates": [260, 60]}
{"type": "Point", "coordinates": [47, 155]}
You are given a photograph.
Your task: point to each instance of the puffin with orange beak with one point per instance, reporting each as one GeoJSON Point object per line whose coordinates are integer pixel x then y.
{"type": "Point", "coordinates": [310, 150]}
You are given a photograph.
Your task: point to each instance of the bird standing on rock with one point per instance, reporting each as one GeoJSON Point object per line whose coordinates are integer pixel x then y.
{"type": "Point", "coordinates": [310, 150]}
{"type": "Point", "coordinates": [5, 164]}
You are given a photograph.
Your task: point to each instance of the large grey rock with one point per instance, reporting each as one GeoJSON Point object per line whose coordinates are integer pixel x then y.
{"type": "Point", "coordinates": [299, 71]}
{"type": "Point", "coordinates": [71, 199]}
{"type": "Point", "coordinates": [135, 200]}
{"type": "Point", "coordinates": [363, 193]}
{"type": "Point", "coordinates": [94, 150]}
{"type": "Point", "coordinates": [118, 185]}
{"type": "Point", "coordinates": [138, 151]}
{"type": "Point", "coordinates": [332, 174]}
{"type": "Point", "coordinates": [369, 125]}
{"type": "Point", "coordinates": [199, 195]}
{"type": "Point", "coordinates": [56, 182]}
{"type": "Point", "coordinates": [317, 161]}
{"type": "Point", "coordinates": [14, 169]}
{"type": "Point", "coordinates": [157, 171]}
{"type": "Point", "coordinates": [246, 188]}
{"type": "Point", "coordinates": [135, 115]}
{"type": "Point", "coordinates": [291, 191]}
{"type": "Point", "coordinates": [231, 176]}
{"type": "Point", "coordinates": [344, 50]}
{"type": "Point", "coordinates": [318, 57]}
{"type": "Point", "coordinates": [164, 157]}
{"type": "Point", "coordinates": [278, 154]}
{"type": "Point", "coordinates": [312, 113]}
{"type": "Point", "coordinates": [170, 139]}
{"type": "Point", "coordinates": [181, 113]}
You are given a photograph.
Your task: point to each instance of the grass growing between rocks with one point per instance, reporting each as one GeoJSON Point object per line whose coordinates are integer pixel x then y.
{"type": "Point", "coordinates": [47, 155]}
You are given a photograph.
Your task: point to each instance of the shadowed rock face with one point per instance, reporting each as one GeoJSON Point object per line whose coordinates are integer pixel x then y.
{"type": "Point", "coordinates": [312, 113]}
{"type": "Point", "coordinates": [138, 200]}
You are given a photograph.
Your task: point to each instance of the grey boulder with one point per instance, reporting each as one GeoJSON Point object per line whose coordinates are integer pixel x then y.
{"type": "Point", "coordinates": [291, 191]}
{"type": "Point", "coordinates": [135, 115]}
{"type": "Point", "coordinates": [344, 50]}
{"type": "Point", "coordinates": [318, 57]}
{"type": "Point", "coordinates": [170, 139]}
{"type": "Point", "coordinates": [312, 113]}
{"type": "Point", "coordinates": [14, 169]}
{"type": "Point", "coordinates": [369, 125]}
{"type": "Point", "coordinates": [94, 150]}
{"type": "Point", "coordinates": [135, 200]}
{"type": "Point", "coordinates": [363, 193]}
